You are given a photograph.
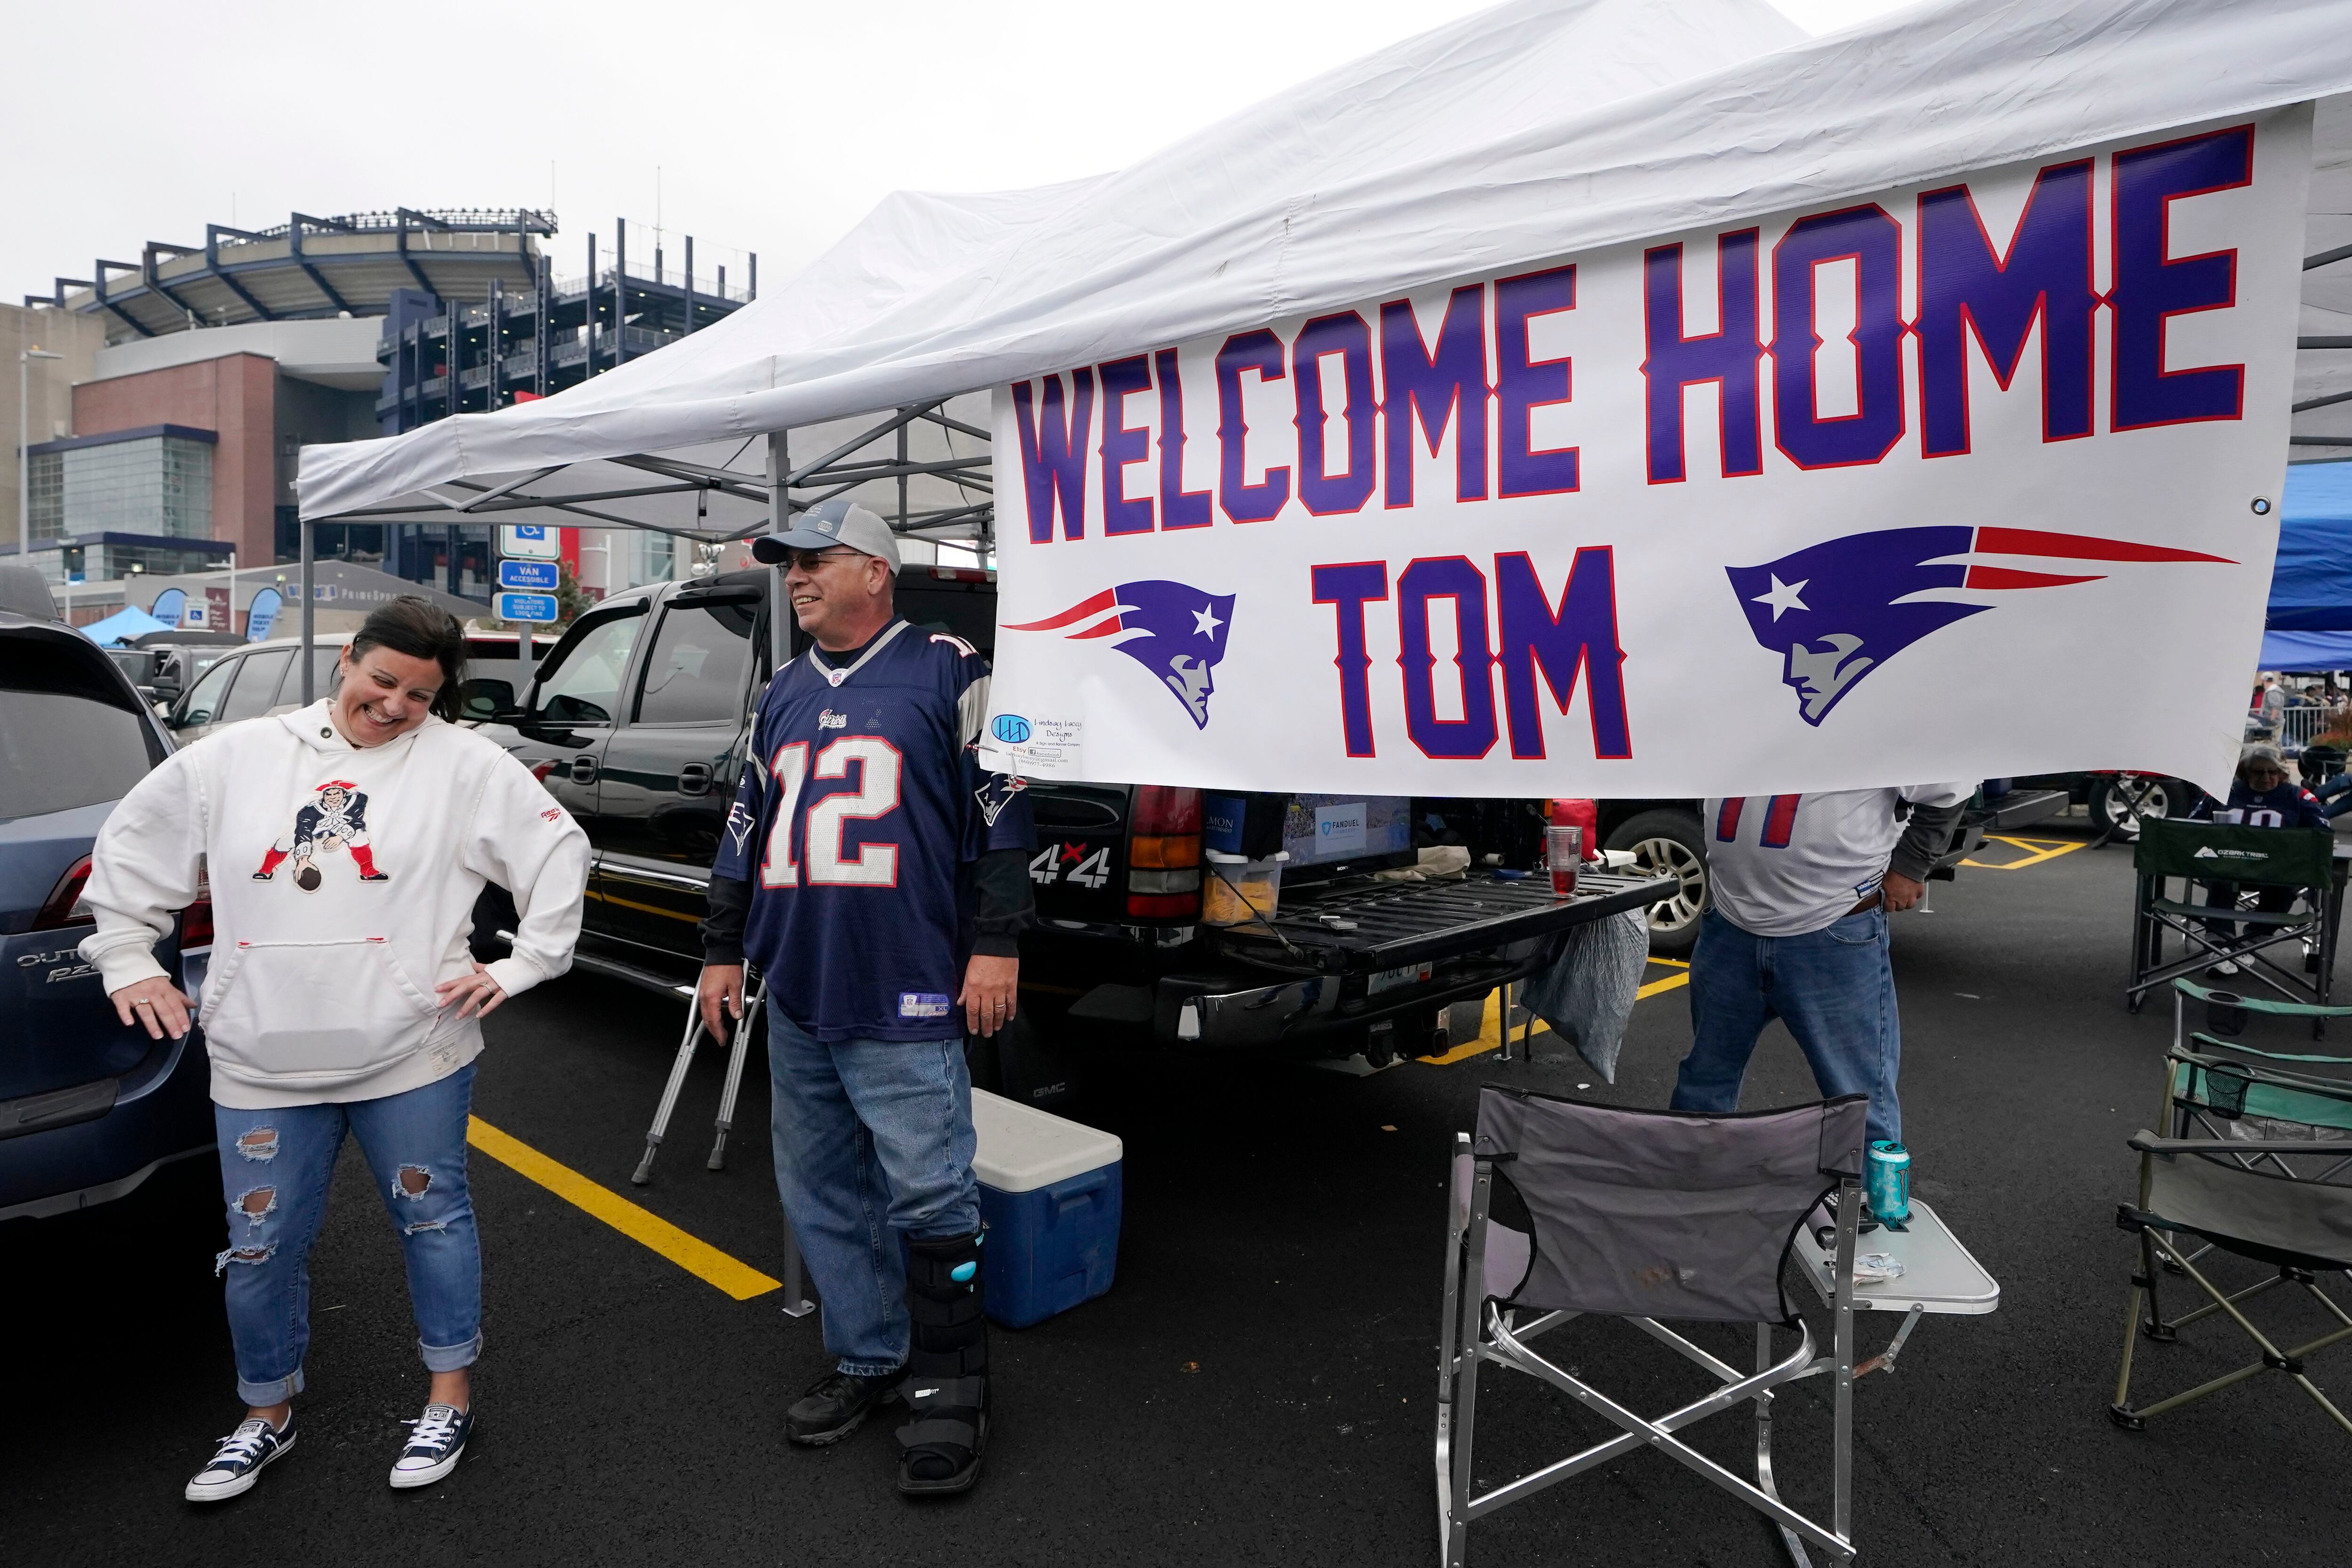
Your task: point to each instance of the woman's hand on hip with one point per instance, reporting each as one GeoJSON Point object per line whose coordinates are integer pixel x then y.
{"type": "Point", "coordinates": [155, 1004]}
{"type": "Point", "coordinates": [478, 995]}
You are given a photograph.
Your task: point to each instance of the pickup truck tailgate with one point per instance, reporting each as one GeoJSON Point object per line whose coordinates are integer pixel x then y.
{"type": "Point", "coordinates": [1361, 927]}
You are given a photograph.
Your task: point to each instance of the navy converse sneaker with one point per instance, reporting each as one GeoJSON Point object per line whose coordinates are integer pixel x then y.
{"type": "Point", "coordinates": [434, 1447]}
{"type": "Point", "coordinates": [238, 1463]}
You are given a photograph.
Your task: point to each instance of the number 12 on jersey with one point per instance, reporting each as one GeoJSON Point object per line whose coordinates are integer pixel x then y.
{"type": "Point", "coordinates": [877, 796]}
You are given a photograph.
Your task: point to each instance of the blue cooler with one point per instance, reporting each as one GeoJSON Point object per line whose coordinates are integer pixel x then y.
{"type": "Point", "coordinates": [1049, 1191]}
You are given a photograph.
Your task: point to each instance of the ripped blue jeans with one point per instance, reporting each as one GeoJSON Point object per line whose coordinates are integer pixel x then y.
{"type": "Point", "coordinates": [275, 1167]}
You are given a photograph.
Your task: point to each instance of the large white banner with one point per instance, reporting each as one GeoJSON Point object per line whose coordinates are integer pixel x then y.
{"type": "Point", "coordinates": [1976, 478]}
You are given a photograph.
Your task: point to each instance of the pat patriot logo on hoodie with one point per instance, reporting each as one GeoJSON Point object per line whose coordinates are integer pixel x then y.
{"type": "Point", "coordinates": [335, 819]}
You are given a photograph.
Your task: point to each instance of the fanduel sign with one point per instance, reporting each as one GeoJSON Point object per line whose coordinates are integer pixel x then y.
{"type": "Point", "coordinates": [1972, 478]}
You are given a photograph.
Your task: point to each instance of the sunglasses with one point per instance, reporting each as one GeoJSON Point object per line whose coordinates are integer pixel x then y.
{"type": "Point", "coordinates": [810, 560]}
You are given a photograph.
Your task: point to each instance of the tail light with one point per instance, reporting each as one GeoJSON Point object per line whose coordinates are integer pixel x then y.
{"type": "Point", "coordinates": [1163, 853]}
{"type": "Point", "coordinates": [65, 905]}
{"type": "Point", "coordinates": [196, 920]}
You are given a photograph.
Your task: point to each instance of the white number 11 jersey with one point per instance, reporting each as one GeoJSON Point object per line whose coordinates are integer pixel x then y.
{"type": "Point", "coordinates": [1782, 865]}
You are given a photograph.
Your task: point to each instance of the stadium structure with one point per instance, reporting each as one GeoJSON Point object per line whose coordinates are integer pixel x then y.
{"type": "Point", "coordinates": [471, 288]}
{"type": "Point", "coordinates": [221, 361]}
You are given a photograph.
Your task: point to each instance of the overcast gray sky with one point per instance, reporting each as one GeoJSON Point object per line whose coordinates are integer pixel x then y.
{"type": "Point", "coordinates": [773, 127]}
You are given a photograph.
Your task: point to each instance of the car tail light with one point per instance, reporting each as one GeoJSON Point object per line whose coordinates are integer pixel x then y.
{"type": "Point", "coordinates": [196, 920]}
{"type": "Point", "coordinates": [1163, 853]}
{"type": "Point", "coordinates": [65, 905]}
{"type": "Point", "coordinates": [963, 574]}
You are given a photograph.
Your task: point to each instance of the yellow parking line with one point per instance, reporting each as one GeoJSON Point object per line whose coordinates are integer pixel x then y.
{"type": "Point", "coordinates": [2036, 852]}
{"type": "Point", "coordinates": [697, 1256]}
{"type": "Point", "coordinates": [1490, 1035]}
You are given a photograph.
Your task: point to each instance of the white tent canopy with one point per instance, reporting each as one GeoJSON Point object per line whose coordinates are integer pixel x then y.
{"type": "Point", "coordinates": [1538, 129]}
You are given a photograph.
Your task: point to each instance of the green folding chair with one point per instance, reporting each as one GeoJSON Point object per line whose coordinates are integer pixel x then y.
{"type": "Point", "coordinates": [2301, 859]}
{"type": "Point", "coordinates": [2256, 1162]}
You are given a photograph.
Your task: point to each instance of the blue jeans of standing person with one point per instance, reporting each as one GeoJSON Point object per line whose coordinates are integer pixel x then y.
{"type": "Point", "coordinates": [874, 1144]}
{"type": "Point", "coordinates": [275, 1167]}
{"type": "Point", "coordinates": [1833, 988]}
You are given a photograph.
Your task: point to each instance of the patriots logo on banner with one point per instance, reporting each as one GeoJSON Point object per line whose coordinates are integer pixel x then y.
{"type": "Point", "coordinates": [1839, 610]}
{"type": "Point", "coordinates": [1173, 629]}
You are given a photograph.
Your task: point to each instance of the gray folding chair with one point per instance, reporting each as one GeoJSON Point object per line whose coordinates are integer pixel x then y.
{"type": "Point", "coordinates": [1646, 1215]}
{"type": "Point", "coordinates": [2256, 1162]}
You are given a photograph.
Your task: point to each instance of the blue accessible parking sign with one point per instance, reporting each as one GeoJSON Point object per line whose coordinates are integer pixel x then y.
{"type": "Point", "coordinates": [534, 576]}
{"type": "Point", "coordinates": [539, 608]}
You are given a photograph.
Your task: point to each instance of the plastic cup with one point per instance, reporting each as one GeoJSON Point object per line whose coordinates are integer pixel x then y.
{"type": "Point", "coordinates": [1564, 848]}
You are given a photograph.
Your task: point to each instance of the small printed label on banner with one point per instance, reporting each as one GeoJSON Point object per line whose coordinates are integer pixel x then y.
{"type": "Point", "coordinates": [1016, 744]}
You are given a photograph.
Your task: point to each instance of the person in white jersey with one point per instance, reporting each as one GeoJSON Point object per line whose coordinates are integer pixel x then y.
{"type": "Point", "coordinates": [1801, 887]}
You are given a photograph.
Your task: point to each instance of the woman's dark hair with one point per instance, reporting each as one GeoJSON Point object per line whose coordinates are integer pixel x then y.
{"type": "Point", "coordinates": [422, 630]}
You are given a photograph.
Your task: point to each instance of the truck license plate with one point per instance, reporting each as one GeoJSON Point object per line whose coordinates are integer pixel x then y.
{"type": "Point", "coordinates": [1389, 979]}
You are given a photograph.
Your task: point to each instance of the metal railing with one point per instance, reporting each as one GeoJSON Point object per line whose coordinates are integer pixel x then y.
{"type": "Point", "coordinates": [478, 220]}
{"type": "Point", "coordinates": [2298, 726]}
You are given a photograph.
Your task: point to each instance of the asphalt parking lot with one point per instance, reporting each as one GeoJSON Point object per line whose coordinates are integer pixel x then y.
{"type": "Point", "coordinates": [1258, 1386]}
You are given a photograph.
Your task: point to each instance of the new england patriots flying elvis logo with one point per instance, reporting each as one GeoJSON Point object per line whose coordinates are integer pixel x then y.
{"type": "Point", "coordinates": [1173, 629]}
{"type": "Point", "coordinates": [1838, 610]}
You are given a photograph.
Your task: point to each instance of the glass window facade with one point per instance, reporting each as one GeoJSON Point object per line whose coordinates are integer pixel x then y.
{"type": "Point", "coordinates": [105, 560]}
{"type": "Point", "coordinates": [153, 485]}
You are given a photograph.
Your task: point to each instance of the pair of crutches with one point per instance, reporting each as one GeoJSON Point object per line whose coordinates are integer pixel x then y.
{"type": "Point", "coordinates": [796, 1304]}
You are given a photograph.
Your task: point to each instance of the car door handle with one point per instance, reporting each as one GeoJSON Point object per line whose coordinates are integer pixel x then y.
{"type": "Point", "coordinates": [694, 778]}
{"type": "Point", "coordinates": [583, 770]}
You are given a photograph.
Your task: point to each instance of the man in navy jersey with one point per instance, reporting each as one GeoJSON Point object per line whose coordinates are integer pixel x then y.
{"type": "Point", "coordinates": [1801, 888]}
{"type": "Point", "coordinates": [878, 877]}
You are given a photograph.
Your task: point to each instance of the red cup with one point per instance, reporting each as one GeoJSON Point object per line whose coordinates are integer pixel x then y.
{"type": "Point", "coordinates": [1564, 849]}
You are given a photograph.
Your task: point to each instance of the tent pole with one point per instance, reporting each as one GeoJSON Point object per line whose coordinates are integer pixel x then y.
{"type": "Point", "coordinates": [780, 520]}
{"type": "Point", "coordinates": [310, 603]}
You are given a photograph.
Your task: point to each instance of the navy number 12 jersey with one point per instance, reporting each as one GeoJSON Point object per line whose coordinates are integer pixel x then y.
{"type": "Point", "coordinates": [859, 806]}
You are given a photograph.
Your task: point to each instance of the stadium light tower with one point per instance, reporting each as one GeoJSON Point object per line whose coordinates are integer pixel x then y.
{"type": "Point", "coordinates": [24, 359]}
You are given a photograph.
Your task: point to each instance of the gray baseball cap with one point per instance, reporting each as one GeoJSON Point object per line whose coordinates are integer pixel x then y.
{"type": "Point", "coordinates": [839, 521]}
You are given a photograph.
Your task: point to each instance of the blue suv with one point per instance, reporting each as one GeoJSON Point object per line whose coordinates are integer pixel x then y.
{"type": "Point", "coordinates": [89, 1108]}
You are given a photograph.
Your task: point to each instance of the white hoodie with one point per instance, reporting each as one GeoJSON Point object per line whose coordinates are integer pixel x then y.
{"type": "Point", "coordinates": [320, 986]}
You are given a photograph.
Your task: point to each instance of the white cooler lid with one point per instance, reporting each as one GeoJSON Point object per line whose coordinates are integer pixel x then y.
{"type": "Point", "coordinates": [1022, 1148]}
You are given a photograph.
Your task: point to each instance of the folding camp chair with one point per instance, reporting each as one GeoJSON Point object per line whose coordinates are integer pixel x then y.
{"type": "Point", "coordinates": [2303, 859]}
{"type": "Point", "coordinates": [2256, 1160]}
{"type": "Point", "coordinates": [1644, 1215]}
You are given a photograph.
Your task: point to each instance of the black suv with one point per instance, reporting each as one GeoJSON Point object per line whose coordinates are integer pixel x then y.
{"type": "Point", "coordinates": [637, 725]}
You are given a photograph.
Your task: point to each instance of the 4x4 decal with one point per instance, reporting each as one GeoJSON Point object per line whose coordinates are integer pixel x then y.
{"type": "Point", "coordinates": [1089, 867]}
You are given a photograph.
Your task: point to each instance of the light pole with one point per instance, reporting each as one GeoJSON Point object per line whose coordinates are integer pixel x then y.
{"type": "Point", "coordinates": [24, 359]}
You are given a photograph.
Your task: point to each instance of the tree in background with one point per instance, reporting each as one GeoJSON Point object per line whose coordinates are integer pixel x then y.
{"type": "Point", "coordinates": [571, 600]}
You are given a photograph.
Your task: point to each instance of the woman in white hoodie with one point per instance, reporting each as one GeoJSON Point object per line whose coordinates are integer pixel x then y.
{"type": "Point", "coordinates": [345, 845]}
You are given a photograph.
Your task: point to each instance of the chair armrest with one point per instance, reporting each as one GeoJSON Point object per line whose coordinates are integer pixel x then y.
{"type": "Point", "coordinates": [2147, 1143]}
{"type": "Point", "coordinates": [2198, 993]}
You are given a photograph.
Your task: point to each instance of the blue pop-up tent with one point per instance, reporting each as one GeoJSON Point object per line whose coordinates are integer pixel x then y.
{"type": "Point", "coordinates": [2310, 622]}
{"type": "Point", "coordinates": [123, 626]}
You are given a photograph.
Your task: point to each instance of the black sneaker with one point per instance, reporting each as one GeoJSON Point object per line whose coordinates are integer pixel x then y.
{"type": "Point", "coordinates": [435, 1447]}
{"type": "Point", "coordinates": [238, 1463]}
{"type": "Point", "coordinates": [835, 1404]}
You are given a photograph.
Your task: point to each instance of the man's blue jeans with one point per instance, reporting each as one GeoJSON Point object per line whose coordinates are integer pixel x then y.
{"type": "Point", "coordinates": [874, 1144]}
{"type": "Point", "coordinates": [275, 1166]}
{"type": "Point", "coordinates": [1833, 988]}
